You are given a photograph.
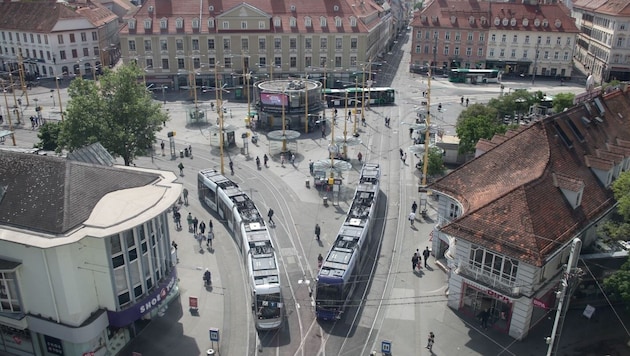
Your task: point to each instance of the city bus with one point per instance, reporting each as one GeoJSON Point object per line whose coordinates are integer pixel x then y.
{"type": "Point", "coordinates": [373, 96]}
{"type": "Point", "coordinates": [473, 76]}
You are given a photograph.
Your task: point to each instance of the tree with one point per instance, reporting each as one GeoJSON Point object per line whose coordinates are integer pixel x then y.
{"type": "Point", "coordinates": [619, 283]}
{"type": "Point", "coordinates": [517, 101]}
{"type": "Point", "coordinates": [49, 137]}
{"type": "Point", "coordinates": [477, 122]}
{"type": "Point", "coordinates": [562, 101]}
{"type": "Point", "coordinates": [118, 112]}
{"type": "Point", "coordinates": [436, 162]}
{"type": "Point", "coordinates": [618, 227]}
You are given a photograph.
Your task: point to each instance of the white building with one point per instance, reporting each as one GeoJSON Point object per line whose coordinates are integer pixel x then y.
{"type": "Point", "coordinates": [85, 254]}
{"type": "Point", "coordinates": [603, 46]}
{"type": "Point", "coordinates": [54, 39]}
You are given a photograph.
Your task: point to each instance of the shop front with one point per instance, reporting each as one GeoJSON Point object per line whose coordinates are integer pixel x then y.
{"type": "Point", "coordinates": [476, 299]}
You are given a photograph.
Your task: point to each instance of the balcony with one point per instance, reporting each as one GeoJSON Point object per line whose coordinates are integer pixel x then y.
{"type": "Point", "coordinates": [504, 285]}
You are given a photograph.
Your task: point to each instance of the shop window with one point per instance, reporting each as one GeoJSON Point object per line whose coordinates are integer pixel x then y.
{"type": "Point", "coordinates": [123, 299]}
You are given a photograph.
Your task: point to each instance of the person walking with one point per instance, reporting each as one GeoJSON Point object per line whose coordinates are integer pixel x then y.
{"type": "Point", "coordinates": [202, 227]}
{"type": "Point", "coordinates": [231, 167]}
{"type": "Point", "coordinates": [483, 317]}
{"type": "Point", "coordinates": [414, 207]}
{"type": "Point", "coordinates": [412, 217]}
{"type": "Point", "coordinates": [174, 244]}
{"type": "Point", "coordinates": [311, 166]}
{"type": "Point", "coordinates": [430, 341]}
{"type": "Point", "coordinates": [270, 216]}
{"type": "Point", "coordinates": [404, 158]}
{"type": "Point", "coordinates": [181, 168]}
{"type": "Point", "coordinates": [189, 219]}
{"type": "Point", "coordinates": [419, 259]}
{"type": "Point", "coordinates": [317, 231]}
{"type": "Point", "coordinates": [210, 225]}
{"type": "Point", "coordinates": [426, 253]}
{"type": "Point", "coordinates": [282, 159]}
{"type": "Point", "coordinates": [293, 159]}
{"type": "Point", "coordinates": [178, 220]}
{"type": "Point", "coordinates": [209, 240]}
{"type": "Point", "coordinates": [401, 152]}
{"type": "Point", "coordinates": [466, 102]}
{"type": "Point", "coordinates": [162, 146]}
{"type": "Point", "coordinates": [185, 194]}
{"type": "Point", "coordinates": [190, 150]}
{"type": "Point", "coordinates": [414, 261]}
{"type": "Point", "coordinates": [265, 159]}
{"type": "Point", "coordinates": [323, 131]}
{"type": "Point", "coordinates": [462, 100]}
{"type": "Point", "coordinates": [195, 223]}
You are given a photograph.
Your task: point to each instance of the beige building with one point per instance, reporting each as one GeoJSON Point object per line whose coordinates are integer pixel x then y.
{"type": "Point", "coordinates": [174, 41]}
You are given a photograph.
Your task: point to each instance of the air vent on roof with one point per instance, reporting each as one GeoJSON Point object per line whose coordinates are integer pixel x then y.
{"type": "Point", "coordinates": [585, 121]}
{"type": "Point", "coordinates": [150, 9]}
{"type": "Point", "coordinates": [576, 132]}
{"type": "Point", "coordinates": [599, 120]}
{"type": "Point", "coordinates": [599, 106]}
{"type": "Point", "coordinates": [563, 135]}
{"type": "Point", "coordinates": [588, 108]}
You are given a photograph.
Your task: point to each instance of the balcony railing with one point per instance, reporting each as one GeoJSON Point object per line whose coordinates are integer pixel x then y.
{"type": "Point", "coordinates": [508, 286]}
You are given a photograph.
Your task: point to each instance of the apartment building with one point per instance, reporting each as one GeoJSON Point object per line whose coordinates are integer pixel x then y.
{"type": "Point", "coordinates": [603, 46]}
{"type": "Point", "coordinates": [176, 41]}
{"type": "Point", "coordinates": [55, 38]}
{"type": "Point", "coordinates": [85, 254]}
{"type": "Point", "coordinates": [516, 38]}
{"type": "Point", "coordinates": [506, 219]}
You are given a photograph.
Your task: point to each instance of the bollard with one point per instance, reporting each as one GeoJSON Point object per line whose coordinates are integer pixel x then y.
{"type": "Point", "coordinates": [181, 154]}
{"type": "Point", "coordinates": [308, 183]}
{"type": "Point", "coordinates": [326, 201]}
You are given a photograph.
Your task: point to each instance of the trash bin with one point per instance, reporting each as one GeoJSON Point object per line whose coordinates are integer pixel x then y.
{"type": "Point", "coordinates": [181, 154]}
{"type": "Point", "coordinates": [308, 183]}
{"type": "Point", "coordinates": [210, 352]}
{"type": "Point", "coordinates": [186, 151]}
{"type": "Point", "coordinates": [326, 201]}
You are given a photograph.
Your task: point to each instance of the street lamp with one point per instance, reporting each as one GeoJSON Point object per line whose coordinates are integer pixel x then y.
{"type": "Point", "coordinates": [6, 104]}
{"type": "Point", "coordinates": [59, 96]}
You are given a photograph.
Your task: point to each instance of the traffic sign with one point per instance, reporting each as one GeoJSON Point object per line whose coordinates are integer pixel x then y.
{"type": "Point", "coordinates": [214, 334]}
{"type": "Point", "coordinates": [386, 347]}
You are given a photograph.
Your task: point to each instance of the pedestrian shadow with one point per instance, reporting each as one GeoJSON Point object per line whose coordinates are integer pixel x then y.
{"type": "Point", "coordinates": [429, 268]}
{"type": "Point", "coordinates": [210, 249]}
{"type": "Point", "coordinates": [413, 227]}
{"type": "Point", "coordinates": [418, 272]}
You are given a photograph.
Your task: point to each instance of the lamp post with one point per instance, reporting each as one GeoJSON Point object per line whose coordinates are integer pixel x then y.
{"type": "Point", "coordinates": [345, 128]}
{"type": "Point", "coordinates": [536, 60]}
{"type": "Point", "coordinates": [6, 104]}
{"type": "Point", "coordinates": [21, 73]}
{"type": "Point", "coordinates": [306, 103]}
{"type": "Point", "coordinates": [15, 101]}
{"type": "Point", "coordinates": [284, 137]}
{"type": "Point", "coordinates": [59, 96]}
{"type": "Point", "coordinates": [356, 103]}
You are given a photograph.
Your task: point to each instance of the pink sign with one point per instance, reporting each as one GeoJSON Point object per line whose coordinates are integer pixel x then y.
{"type": "Point", "coordinates": [276, 99]}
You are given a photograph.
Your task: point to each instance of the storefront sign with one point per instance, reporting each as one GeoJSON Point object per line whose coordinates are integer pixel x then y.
{"type": "Point", "coordinates": [489, 292]}
{"type": "Point", "coordinates": [53, 345]}
{"type": "Point", "coordinates": [153, 300]}
{"type": "Point", "coordinates": [539, 303]}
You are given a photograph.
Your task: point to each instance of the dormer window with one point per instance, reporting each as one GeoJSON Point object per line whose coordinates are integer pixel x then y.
{"type": "Point", "coordinates": [292, 21]}
{"type": "Point", "coordinates": [210, 8]}
{"type": "Point", "coordinates": [545, 23]}
{"type": "Point", "coordinates": [211, 22]}
{"type": "Point", "coordinates": [471, 20]}
{"type": "Point", "coordinates": [513, 22]}
{"type": "Point", "coordinates": [322, 21]}
{"type": "Point", "coordinates": [483, 20]}
{"type": "Point", "coordinates": [336, 8]}
{"type": "Point", "coordinates": [262, 25]}
{"type": "Point", "coordinates": [179, 23]}
{"type": "Point", "coordinates": [536, 22]}
{"type": "Point", "coordinates": [453, 19]}
{"type": "Point", "coordinates": [558, 23]}
{"type": "Point", "coordinates": [147, 24]}
{"type": "Point", "coordinates": [572, 188]}
{"type": "Point", "coordinates": [163, 24]}
{"type": "Point", "coordinates": [132, 24]}
{"type": "Point", "coordinates": [525, 22]}
{"type": "Point", "coordinates": [226, 25]}
{"type": "Point", "coordinates": [308, 22]}
{"type": "Point", "coordinates": [497, 21]}
{"type": "Point", "coordinates": [277, 22]}
{"type": "Point", "coordinates": [195, 23]}
{"type": "Point", "coordinates": [424, 18]}
{"type": "Point", "coordinates": [338, 21]}
{"type": "Point", "coordinates": [505, 22]}
{"type": "Point", "coordinates": [353, 21]}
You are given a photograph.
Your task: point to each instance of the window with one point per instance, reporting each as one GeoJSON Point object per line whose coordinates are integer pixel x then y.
{"type": "Point", "coordinates": [456, 51]}
{"type": "Point", "coordinates": [453, 211]}
{"type": "Point", "coordinates": [277, 22]}
{"type": "Point", "coordinates": [427, 35]}
{"type": "Point", "coordinates": [353, 43]}
{"type": "Point", "coordinates": [195, 44]}
{"type": "Point", "coordinates": [9, 293]}
{"type": "Point", "coordinates": [261, 44]}
{"type": "Point", "coordinates": [426, 49]}
{"type": "Point", "coordinates": [491, 52]}
{"type": "Point", "coordinates": [479, 52]}
{"type": "Point", "coordinates": [211, 62]}
{"type": "Point", "coordinates": [261, 25]}
{"type": "Point", "coordinates": [39, 38]}
{"type": "Point", "coordinates": [568, 41]}
{"type": "Point", "coordinates": [353, 61]}
{"type": "Point", "coordinates": [24, 37]}
{"type": "Point", "coordinates": [262, 62]}
{"type": "Point", "coordinates": [293, 43]}
{"type": "Point", "coordinates": [96, 52]}
{"type": "Point", "coordinates": [515, 39]}
{"type": "Point", "coordinates": [71, 38]}
{"type": "Point", "coordinates": [163, 45]}
{"type": "Point", "coordinates": [307, 22]}
{"type": "Point", "coordinates": [60, 39]}
{"type": "Point", "coordinates": [245, 44]}
{"type": "Point", "coordinates": [556, 55]}
{"type": "Point", "coordinates": [210, 23]}
{"type": "Point", "coordinates": [619, 41]}
{"type": "Point", "coordinates": [308, 61]}
{"type": "Point", "coordinates": [147, 24]}
{"type": "Point", "coordinates": [148, 63]}
{"type": "Point", "coordinates": [565, 56]}
{"type": "Point", "coordinates": [502, 52]}
{"type": "Point", "coordinates": [482, 37]}
{"type": "Point", "coordinates": [470, 36]}
{"type": "Point", "coordinates": [322, 61]}
{"type": "Point", "coordinates": [337, 61]}
{"type": "Point", "coordinates": [132, 45]}
{"type": "Point", "coordinates": [179, 44]}
{"type": "Point", "coordinates": [292, 21]}
{"type": "Point", "coordinates": [559, 41]}
{"type": "Point", "coordinates": [179, 23]}
{"type": "Point", "coordinates": [322, 21]}
{"type": "Point", "coordinates": [419, 35]}
{"type": "Point", "coordinates": [447, 35]}
{"type": "Point", "coordinates": [338, 21]}
{"type": "Point", "coordinates": [446, 49]}
{"type": "Point", "coordinates": [539, 40]}
{"type": "Point", "coordinates": [163, 24]}
{"type": "Point", "coordinates": [277, 43]}
{"type": "Point", "coordinates": [62, 54]}
{"type": "Point", "coordinates": [503, 38]}
{"type": "Point", "coordinates": [181, 64]}
{"type": "Point", "coordinates": [513, 53]}
{"type": "Point", "coordinates": [293, 62]}
{"type": "Point", "coordinates": [195, 23]}
{"type": "Point", "coordinates": [277, 62]}
{"type": "Point", "coordinates": [83, 37]}
{"type": "Point", "coordinates": [227, 62]}
{"type": "Point", "coordinates": [493, 266]}
{"type": "Point", "coordinates": [323, 44]}
{"type": "Point", "coordinates": [226, 25]}
{"type": "Point", "coordinates": [353, 21]}
{"type": "Point", "coordinates": [243, 25]}
{"type": "Point", "coordinates": [546, 56]}
{"type": "Point", "coordinates": [147, 45]}
{"type": "Point", "coordinates": [338, 43]}
{"type": "Point", "coordinates": [226, 43]}
{"type": "Point", "coordinates": [524, 53]}
{"type": "Point", "coordinates": [468, 51]}
{"type": "Point", "coordinates": [211, 44]}
{"type": "Point", "coordinates": [548, 41]}
{"type": "Point", "coordinates": [308, 43]}
{"type": "Point", "coordinates": [493, 38]}
{"type": "Point", "coordinates": [94, 36]}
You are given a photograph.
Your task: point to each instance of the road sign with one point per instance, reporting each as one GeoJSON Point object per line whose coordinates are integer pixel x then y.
{"type": "Point", "coordinates": [386, 347]}
{"type": "Point", "coordinates": [193, 302]}
{"type": "Point", "coordinates": [214, 334]}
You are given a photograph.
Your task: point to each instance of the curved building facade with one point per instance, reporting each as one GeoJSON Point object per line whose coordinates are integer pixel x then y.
{"type": "Point", "coordinates": [294, 102]}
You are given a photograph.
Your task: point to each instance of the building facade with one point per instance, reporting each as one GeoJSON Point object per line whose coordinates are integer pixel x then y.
{"type": "Point", "coordinates": [85, 254]}
{"type": "Point", "coordinates": [229, 38]}
{"type": "Point", "coordinates": [506, 219]}
{"type": "Point", "coordinates": [52, 39]}
{"type": "Point", "coordinates": [516, 38]}
{"type": "Point", "coordinates": [603, 46]}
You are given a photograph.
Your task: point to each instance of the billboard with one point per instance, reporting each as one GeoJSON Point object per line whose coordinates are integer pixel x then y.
{"type": "Point", "coordinates": [277, 99]}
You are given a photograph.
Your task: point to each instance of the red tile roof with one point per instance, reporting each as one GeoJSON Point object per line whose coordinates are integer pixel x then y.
{"type": "Point", "coordinates": [37, 16]}
{"type": "Point", "coordinates": [368, 10]}
{"type": "Point", "coordinates": [97, 14]}
{"type": "Point", "coordinates": [609, 7]}
{"type": "Point", "coordinates": [566, 182]}
{"type": "Point", "coordinates": [457, 14]}
{"type": "Point", "coordinates": [511, 201]}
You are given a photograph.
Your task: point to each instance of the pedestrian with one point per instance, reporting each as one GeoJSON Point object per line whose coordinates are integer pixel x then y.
{"type": "Point", "coordinates": [323, 131]}
{"type": "Point", "coordinates": [190, 150]}
{"type": "Point", "coordinates": [231, 164]}
{"type": "Point", "coordinates": [414, 261]}
{"type": "Point", "coordinates": [419, 258]}
{"type": "Point", "coordinates": [360, 157]}
{"type": "Point", "coordinates": [265, 159]}
{"type": "Point", "coordinates": [185, 194]}
{"type": "Point", "coordinates": [210, 226]}
{"type": "Point", "coordinates": [210, 238]}
{"type": "Point", "coordinates": [189, 219]}
{"type": "Point", "coordinates": [178, 220]}
{"type": "Point", "coordinates": [162, 146]}
{"type": "Point", "coordinates": [404, 158]}
{"type": "Point", "coordinates": [181, 168]}
{"type": "Point", "coordinates": [282, 159]}
{"type": "Point", "coordinates": [199, 239]}
{"type": "Point", "coordinates": [401, 152]}
{"type": "Point", "coordinates": [195, 223]}
{"type": "Point", "coordinates": [270, 215]}
{"type": "Point", "coordinates": [202, 227]}
{"type": "Point", "coordinates": [414, 207]}
{"type": "Point", "coordinates": [311, 166]}
{"type": "Point", "coordinates": [426, 253]}
{"type": "Point", "coordinates": [412, 218]}
{"type": "Point", "coordinates": [317, 231]}
{"type": "Point", "coordinates": [411, 132]}
{"type": "Point", "coordinates": [466, 102]}
{"type": "Point", "coordinates": [174, 244]}
{"type": "Point", "coordinates": [349, 114]}
{"type": "Point", "coordinates": [462, 100]}
{"type": "Point", "coordinates": [431, 341]}
{"type": "Point", "coordinates": [293, 159]}
{"type": "Point", "coordinates": [483, 317]}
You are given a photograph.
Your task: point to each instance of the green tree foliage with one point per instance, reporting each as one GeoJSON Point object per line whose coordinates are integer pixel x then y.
{"type": "Point", "coordinates": [436, 162]}
{"type": "Point", "coordinates": [619, 283]}
{"type": "Point", "coordinates": [118, 112]}
{"type": "Point", "coordinates": [477, 122]}
{"type": "Point", "coordinates": [562, 101]}
{"type": "Point", "coordinates": [517, 101]}
{"type": "Point", "coordinates": [48, 136]}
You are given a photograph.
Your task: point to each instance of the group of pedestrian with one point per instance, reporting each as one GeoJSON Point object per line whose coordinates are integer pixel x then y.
{"type": "Point", "coordinates": [462, 101]}
{"type": "Point", "coordinates": [416, 259]}
{"type": "Point", "coordinates": [387, 121]}
{"type": "Point", "coordinates": [34, 122]}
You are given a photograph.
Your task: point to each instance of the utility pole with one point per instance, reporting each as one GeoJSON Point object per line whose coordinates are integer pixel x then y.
{"type": "Point", "coordinates": [434, 55]}
{"type": "Point", "coordinates": [569, 282]}
{"type": "Point", "coordinates": [536, 59]}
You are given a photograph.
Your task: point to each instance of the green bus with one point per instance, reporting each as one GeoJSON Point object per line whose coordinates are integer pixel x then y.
{"type": "Point", "coordinates": [474, 76]}
{"type": "Point", "coordinates": [373, 96]}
